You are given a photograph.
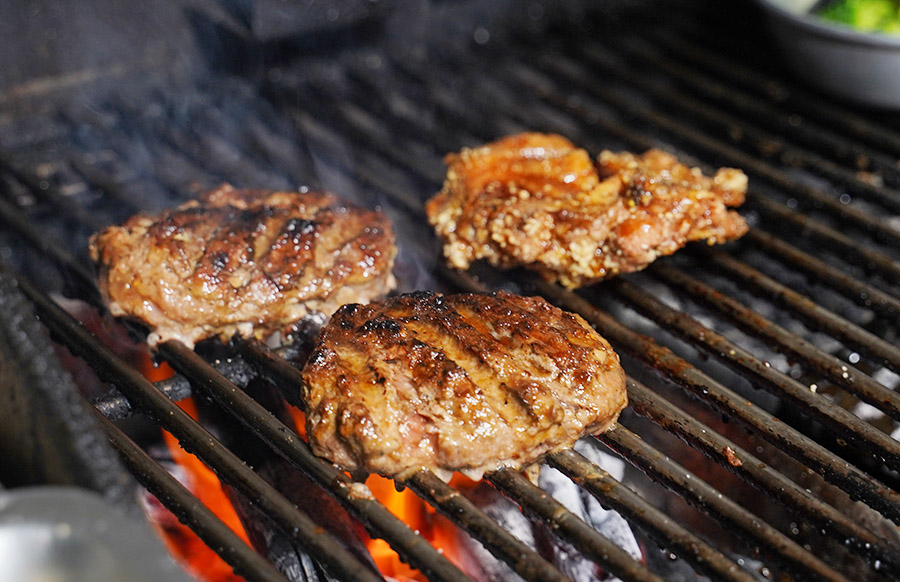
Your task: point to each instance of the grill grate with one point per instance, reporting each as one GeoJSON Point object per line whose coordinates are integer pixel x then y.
{"type": "Point", "coordinates": [808, 298]}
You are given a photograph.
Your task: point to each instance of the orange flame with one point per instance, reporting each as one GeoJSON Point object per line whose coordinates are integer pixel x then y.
{"type": "Point", "coordinates": [414, 512]}
{"type": "Point", "coordinates": [183, 543]}
{"type": "Point", "coordinates": [196, 556]}
{"type": "Point", "coordinates": [207, 566]}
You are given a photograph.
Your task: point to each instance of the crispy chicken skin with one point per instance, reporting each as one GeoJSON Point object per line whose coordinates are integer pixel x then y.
{"type": "Point", "coordinates": [536, 200]}
{"type": "Point", "coordinates": [456, 383]}
{"type": "Point", "coordinates": [250, 262]}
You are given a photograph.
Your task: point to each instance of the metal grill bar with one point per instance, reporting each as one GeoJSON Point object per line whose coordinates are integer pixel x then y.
{"type": "Point", "coordinates": [345, 126]}
{"type": "Point", "coordinates": [854, 429]}
{"type": "Point", "coordinates": [82, 279]}
{"type": "Point", "coordinates": [465, 514]}
{"type": "Point", "coordinates": [788, 96]}
{"type": "Point", "coordinates": [575, 75]}
{"type": "Point", "coordinates": [44, 190]}
{"type": "Point", "coordinates": [873, 261]}
{"type": "Point", "coordinates": [858, 291]}
{"type": "Point", "coordinates": [360, 122]}
{"type": "Point", "coordinates": [715, 446]}
{"type": "Point", "coordinates": [500, 542]}
{"type": "Point", "coordinates": [407, 163]}
{"type": "Point", "coordinates": [765, 145]}
{"type": "Point", "coordinates": [537, 503]}
{"type": "Point", "coordinates": [189, 510]}
{"type": "Point", "coordinates": [548, 91]}
{"type": "Point", "coordinates": [693, 489]}
{"type": "Point", "coordinates": [839, 472]}
{"type": "Point", "coordinates": [782, 218]}
{"type": "Point", "coordinates": [617, 496]}
{"type": "Point", "coordinates": [285, 441]}
{"type": "Point", "coordinates": [528, 564]}
{"type": "Point", "coordinates": [546, 87]}
{"type": "Point", "coordinates": [612, 493]}
{"type": "Point", "coordinates": [754, 471]}
{"type": "Point", "coordinates": [819, 318]}
{"type": "Point", "coordinates": [837, 371]}
{"type": "Point", "coordinates": [141, 392]}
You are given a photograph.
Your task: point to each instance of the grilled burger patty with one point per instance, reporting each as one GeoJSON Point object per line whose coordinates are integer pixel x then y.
{"type": "Point", "coordinates": [456, 383]}
{"type": "Point", "coordinates": [250, 262]}
{"type": "Point", "coordinates": [536, 200]}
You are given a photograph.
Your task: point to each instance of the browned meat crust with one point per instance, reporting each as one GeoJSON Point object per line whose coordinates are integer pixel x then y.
{"type": "Point", "coordinates": [457, 383]}
{"type": "Point", "coordinates": [537, 200]}
{"type": "Point", "coordinates": [243, 261]}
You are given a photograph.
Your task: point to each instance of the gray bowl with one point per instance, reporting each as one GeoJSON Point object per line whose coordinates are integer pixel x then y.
{"type": "Point", "coordinates": [858, 66]}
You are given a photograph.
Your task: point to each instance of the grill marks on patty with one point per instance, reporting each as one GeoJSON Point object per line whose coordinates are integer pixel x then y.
{"type": "Point", "coordinates": [457, 382]}
{"type": "Point", "coordinates": [250, 262]}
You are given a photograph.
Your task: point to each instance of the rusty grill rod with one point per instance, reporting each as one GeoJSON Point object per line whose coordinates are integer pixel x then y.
{"type": "Point", "coordinates": [751, 469]}
{"type": "Point", "coordinates": [495, 538]}
{"type": "Point", "coordinates": [799, 446]}
{"type": "Point", "coordinates": [707, 499]}
{"type": "Point", "coordinates": [797, 100]}
{"type": "Point", "coordinates": [765, 144]}
{"type": "Point", "coordinates": [333, 556]}
{"type": "Point", "coordinates": [408, 544]}
{"type": "Point", "coordinates": [189, 510]}
{"type": "Point", "coordinates": [843, 246]}
{"type": "Point", "coordinates": [81, 279]}
{"type": "Point", "coordinates": [835, 470]}
{"type": "Point", "coordinates": [46, 191]}
{"type": "Point", "coordinates": [857, 291]}
{"type": "Point", "coordinates": [536, 502]}
{"type": "Point", "coordinates": [847, 476]}
{"type": "Point", "coordinates": [456, 507]}
{"type": "Point", "coordinates": [806, 309]}
{"type": "Point", "coordinates": [840, 373]}
{"type": "Point", "coordinates": [715, 446]}
{"type": "Point", "coordinates": [546, 88]}
{"type": "Point", "coordinates": [611, 493]}
{"type": "Point", "coordinates": [282, 439]}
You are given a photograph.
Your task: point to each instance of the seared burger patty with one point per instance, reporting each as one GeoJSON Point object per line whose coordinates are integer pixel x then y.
{"type": "Point", "coordinates": [457, 383]}
{"type": "Point", "coordinates": [537, 200]}
{"type": "Point", "coordinates": [250, 262]}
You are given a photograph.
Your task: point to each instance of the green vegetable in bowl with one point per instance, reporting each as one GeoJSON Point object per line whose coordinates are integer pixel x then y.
{"type": "Point", "coordinates": [865, 15]}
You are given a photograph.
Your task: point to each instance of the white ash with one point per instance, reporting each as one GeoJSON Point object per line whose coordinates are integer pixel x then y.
{"type": "Point", "coordinates": [485, 567]}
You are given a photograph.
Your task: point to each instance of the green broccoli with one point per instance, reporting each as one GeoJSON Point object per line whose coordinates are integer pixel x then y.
{"type": "Point", "coordinates": [865, 15]}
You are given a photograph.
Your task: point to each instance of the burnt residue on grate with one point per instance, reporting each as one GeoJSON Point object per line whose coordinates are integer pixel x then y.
{"type": "Point", "coordinates": [763, 375]}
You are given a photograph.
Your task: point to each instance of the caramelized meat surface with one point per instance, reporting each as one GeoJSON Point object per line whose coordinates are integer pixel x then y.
{"type": "Point", "coordinates": [457, 383]}
{"type": "Point", "coordinates": [537, 200]}
{"type": "Point", "coordinates": [243, 261]}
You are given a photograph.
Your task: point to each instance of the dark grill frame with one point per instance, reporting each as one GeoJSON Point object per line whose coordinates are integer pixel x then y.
{"type": "Point", "coordinates": [738, 121]}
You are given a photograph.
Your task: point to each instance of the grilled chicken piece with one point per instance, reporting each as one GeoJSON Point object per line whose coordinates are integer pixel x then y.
{"type": "Point", "coordinates": [250, 262]}
{"type": "Point", "coordinates": [463, 383]}
{"type": "Point", "coordinates": [537, 200]}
